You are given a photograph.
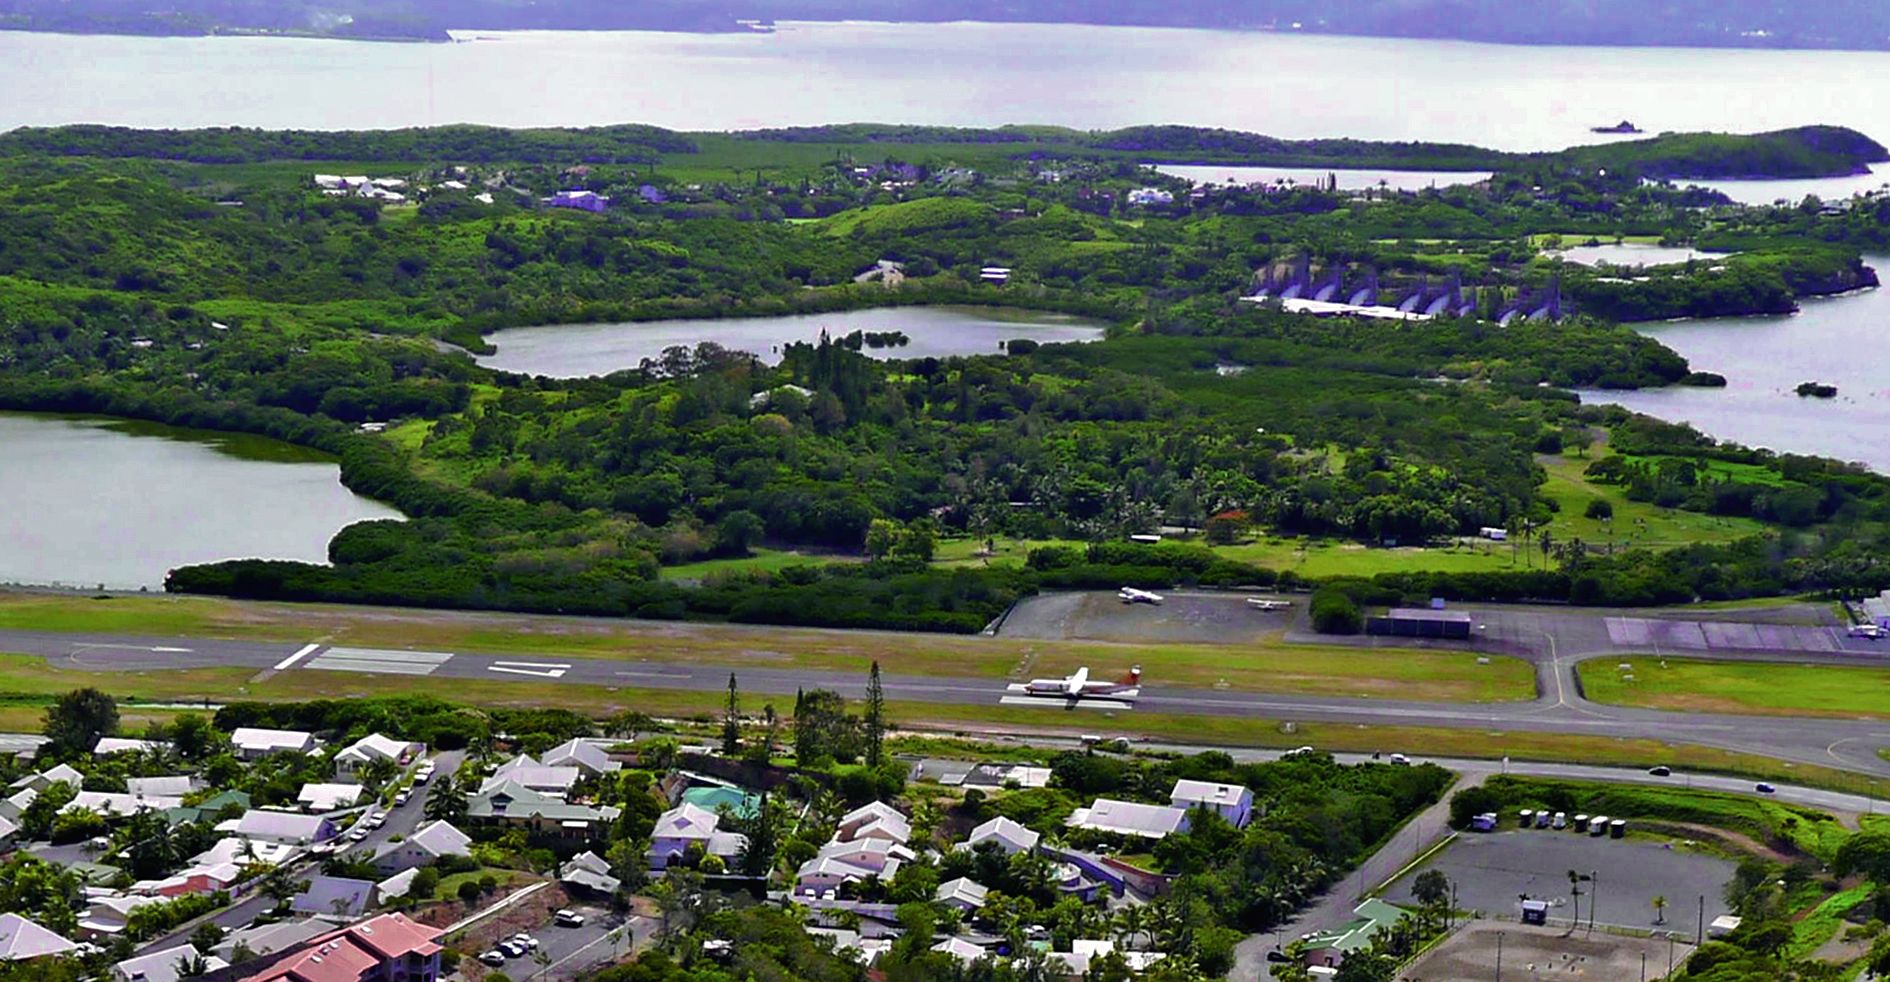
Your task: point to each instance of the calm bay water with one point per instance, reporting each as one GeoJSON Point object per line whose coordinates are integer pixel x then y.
{"type": "Point", "coordinates": [1838, 340]}
{"type": "Point", "coordinates": [959, 74]}
{"type": "Point", "coordinates": [577, 350]}
{"type": "Point", "coordinates": [1633, 254]}
{"type": "Point", "coordinates": [91, 501]}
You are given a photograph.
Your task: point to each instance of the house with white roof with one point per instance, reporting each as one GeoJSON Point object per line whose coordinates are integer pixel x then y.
{"type": "Point", "coordinates": [124, 745]}
{"type": "Point", "coordinates": [591, 872]}
{"type": "Point", "coordinates": [838, 863]}
{"type": "Point", "coordinates": [350, 759]}
{"type": "Point", "coordinates": [877, 820]}
{"type": "Point", "coordinates": [961, 949]}
{"type": "Point", "coordinates": [9, 829]}
{"type": "Point", "coordinates": [1084, 952]}
{"type": "Point", "coordinates": [108, 915]}
{"type": "Point", "coordinates": [320, 799]}
{"type": "Point", "coordinates": [1131, 818]}
{"type": "Point", "coordinates": [582, 754]}
{"type": "Point", "coordinates": [962, 893]}
{"type": "Point", "coordinates": [529, 773]}
{"type": "Point", "coordinates": [267, 939]}
{"type": "Point", "coordinates": [15, 804]}
{"type": "Point", "coordinates": [163, 966]}
{"type": "Point", "coordinates": [116, 804]}
{"type": "Point", "coordinates": [288, 828]}
{"type": "Point", "coordinates": [686, 824]}
{"type": "Point", "coordinates": [57, 774]}
{"type": "Point", "coordinates": [1230, 801]}
{"type": "Point", "coordinates": [174, 786]}
{"type": "Point", "coordinates": [1010, 837]}
{"type": "Point", "coordinates": [194, 879]}
{"type": "Point", "coordinates": [430, 843]}
{"type": "Point", "coordinates": [252, 743]}
{"type": "Point", "coordinates": [22, 940]}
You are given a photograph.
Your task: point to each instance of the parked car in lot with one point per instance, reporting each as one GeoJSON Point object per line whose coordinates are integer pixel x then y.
{"type": "Point", "coordinates": [1661, 771]}
{"type": "Point", "coordinates": [403, 797]}
{"type": "Point", "coordinates": [568, 918]}
{"type": "Point", "coordinates": [493, 957]}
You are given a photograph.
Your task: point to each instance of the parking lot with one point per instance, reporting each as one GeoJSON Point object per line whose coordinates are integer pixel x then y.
{"type": "Point", "coordinates": [1544, 953]}
{"type": "Point", "coordinates": [1492, 871]}
{"type": "Point", "coordinates": [563, 952]}
{"type": "Point", "coordinates": [1181, 617]}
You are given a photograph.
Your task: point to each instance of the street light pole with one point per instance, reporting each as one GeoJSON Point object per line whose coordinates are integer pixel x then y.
{"type": "Point", "coordinates": [1499, 956]}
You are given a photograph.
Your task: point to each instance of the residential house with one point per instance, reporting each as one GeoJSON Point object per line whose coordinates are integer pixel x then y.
{"type": "Point", "coordinates": [267, 939]}
{"type": "Point", "coordinates": [839, 863]}
{"type": "Point", "coordinates": [9, 831]}
{"type": "Point", "coordinates": [175, 786]}
{"type": "Point", "coordinates": [429, 843]}
{"type": "Point", "coordinates": [57, 774]}
{"type": "Point", "coordinates": [15, 804]}
{"type": "Point", "coordinates": [874, 821]}
{"type": "Point", "coordinates": [962, 893]}
{"type": "Point", "coordinates": [511, 804]}
{"type": "Point", "coordinates": [965, 951]}
{"type": "Point", "coordinates": [334, 896]}
{"type": "Point", "coordinates": [320, 799]}
{"type": "Point", "coordinates": [289, 828]}
{"type": "Point", "coordinates": [350, 759]}
{"type": "Point", "coordinates": [526, 772]}
{"type": "Point", "coordinates": [22, 940]}
{"type": "Point", "coordinates": [397, 886]}
{"type": "Point", "coordinates": [590, 872]}
{"type": "Point", "coordinates": [684, 825]}
{"type": "Point", "coordinates": [580, 199]}
{"type": "Point", "coordinates": [245, 852]}
{"type": "Point", "coordinates": [583, 755]}
{"type": "Point", "coordinates": [253, 743]}
{"type": "Point", "coordinates": [1131, 818]}
{"type": "Point", "coordinates": [207, 878]}
{"type": "Point", "coordinates": [1151, 196]}
{"type": "Point", "coordinates": [1010, 837]}
{"type": "Point", "coordinates": [1230, 801]}
{"type": "Point", "coordinates": [387, 948]}
{"type": "Point", "coordinates": [115, 804]}
{"type": "Point", "coordinates": [209, 808]}
{"type": "Point", "coordinates": [108, 915]}
{"type": "Point", "coordinates": [1083, 952]}
{"type": "Point", "coordinates": [166, 966]}
{"type": "Point", "coordinates": [122, 745]}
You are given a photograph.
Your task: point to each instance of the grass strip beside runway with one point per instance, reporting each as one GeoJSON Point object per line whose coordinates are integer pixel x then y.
{"type": "Point", "coordinates": [1742, 687]}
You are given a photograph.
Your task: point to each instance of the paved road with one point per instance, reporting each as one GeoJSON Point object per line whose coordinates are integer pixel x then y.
{"type": "Point", "coordinates": [1552, 639]}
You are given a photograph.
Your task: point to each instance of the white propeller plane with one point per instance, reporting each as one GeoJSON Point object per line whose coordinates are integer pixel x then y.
{"type": "Point", "coordinates": [1130, 595]}
{"type": "Point", "coordinates": [1078, 690]}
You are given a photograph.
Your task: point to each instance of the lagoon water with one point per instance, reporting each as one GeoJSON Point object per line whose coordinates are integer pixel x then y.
{"type": "Point", "coordinates": [966, 74]}
{"type": "Point", "coordinates": [1837, 340]}
{"type": "Point", "coordinates": [578, 350]}
{"type": "Point", "coordinates": [1632, 254]}
{"type": "Point", "coordinates": [93, 501]}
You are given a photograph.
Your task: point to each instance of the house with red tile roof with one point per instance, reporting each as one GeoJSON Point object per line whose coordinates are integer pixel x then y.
{"type": "Point", "coordinates": [387, 948]}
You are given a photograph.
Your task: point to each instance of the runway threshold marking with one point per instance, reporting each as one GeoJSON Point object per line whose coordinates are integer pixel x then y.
{"type": "Point", "coordinates": [535, 669]}
{"type": "Point", "coordinates": [375, 661]}
{"type": "Point", "coordinates": [289, 662]}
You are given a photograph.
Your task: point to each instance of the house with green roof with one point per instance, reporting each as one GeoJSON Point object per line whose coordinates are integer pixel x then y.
{"type": "Point", "coordinates": [1368, 919]}
{"type": "Point", "coordinates": [209, 809]}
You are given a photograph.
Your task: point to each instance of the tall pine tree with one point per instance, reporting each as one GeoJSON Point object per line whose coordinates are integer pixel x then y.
{"type": "Point", "coordinates": [732, 721]}
{"type": "Point", "coordinates": [875, 718]}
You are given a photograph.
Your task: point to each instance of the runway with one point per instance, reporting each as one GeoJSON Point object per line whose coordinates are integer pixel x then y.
{"type": "Point", "coordinates": [1560, 707]}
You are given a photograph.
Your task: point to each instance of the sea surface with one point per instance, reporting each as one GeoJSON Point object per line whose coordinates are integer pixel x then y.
{"type": "Point", "coordinates": [1352, 179]}
{"type": "Point", "coordinates": [1837, 340]}
{"type": "Point", "coordinates": [93, 501]}
{"type": "Point", "coordinates": [964, 74]}
{"type": "Point", "coordinates": [578, 350]}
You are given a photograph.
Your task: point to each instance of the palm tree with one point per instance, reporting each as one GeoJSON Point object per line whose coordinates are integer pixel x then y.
{"type": "Point", "coordinates": [447, 801]}
{"type": "Point", "coordinates": [1660, 909]}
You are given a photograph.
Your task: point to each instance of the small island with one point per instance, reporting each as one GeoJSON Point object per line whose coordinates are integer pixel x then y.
{"type": "Point", "coordinates": [1621, 127]}
{"type": "Point", "coordinates": [1816, 390]}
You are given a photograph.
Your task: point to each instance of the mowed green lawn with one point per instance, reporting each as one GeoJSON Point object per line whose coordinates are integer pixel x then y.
{"type": "Point", "coordinates": [1760, 688]}
{"type": "Point", "coordinates": [1635, 523]}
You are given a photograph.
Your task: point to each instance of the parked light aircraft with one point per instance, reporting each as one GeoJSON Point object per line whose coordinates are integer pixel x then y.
{"type": "Point", "coordinates": [1079, 688]}
{"type": "Point", "coordinates": [1130, 595]}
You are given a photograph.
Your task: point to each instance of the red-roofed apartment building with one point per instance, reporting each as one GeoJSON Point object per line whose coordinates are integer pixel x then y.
{"type": "Point", "coordinates": [388, 948]}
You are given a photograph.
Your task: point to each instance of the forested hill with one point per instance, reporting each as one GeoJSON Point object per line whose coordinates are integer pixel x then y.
{"type": "Point", "coordinates": [1808, 151]}
{"type": "Point", "coordinates": [1692, 23]}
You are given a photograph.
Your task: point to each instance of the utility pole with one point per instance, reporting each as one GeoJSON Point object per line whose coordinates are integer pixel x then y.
{"type": "Point", "coordinates": [1643, 966]}
{"type": "Point", "coordinates": [1699, 936]}
{"type": "Point", "coordinates": [1499, 956]}
{"type": "Point", "coordinates": [1669, 954]}
{"type": "Point", "coordinates": [1594, 897]}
